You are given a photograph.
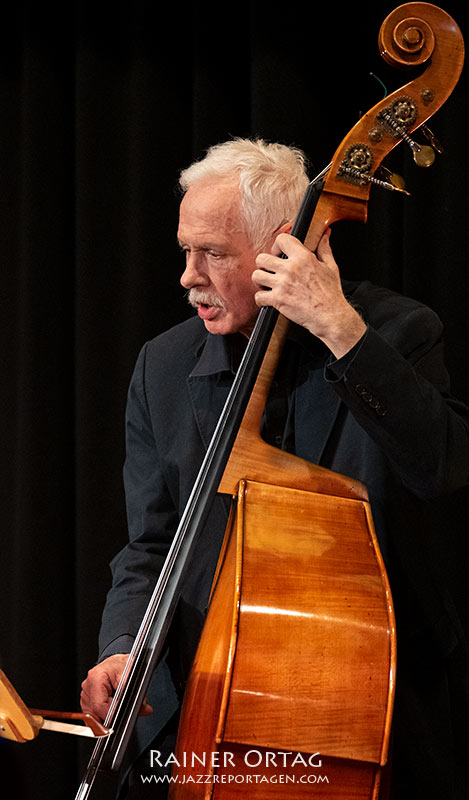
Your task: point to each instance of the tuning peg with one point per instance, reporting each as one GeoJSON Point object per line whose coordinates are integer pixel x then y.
{"type": "Point", "coordinates": [361, 178]}
{"type": "Point", "coordinates": [423, 154]}
{"type": "Point", "coordinates": [392, 177]}
{"type": "Point", "coordinates": [431, 138]}
{"type": "Point", "coordinates": [392, 187]}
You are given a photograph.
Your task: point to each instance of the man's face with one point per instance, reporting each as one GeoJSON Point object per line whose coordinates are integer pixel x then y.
{"type": "Point", "coordinates": [219, 257]}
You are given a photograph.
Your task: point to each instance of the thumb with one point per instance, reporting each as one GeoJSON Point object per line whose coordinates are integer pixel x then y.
{"type": "Point", "coordinates": [324, 247]}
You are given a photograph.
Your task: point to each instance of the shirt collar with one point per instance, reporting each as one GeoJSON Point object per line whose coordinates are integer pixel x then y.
{"type": "Point", "coordinates": [219, 353]}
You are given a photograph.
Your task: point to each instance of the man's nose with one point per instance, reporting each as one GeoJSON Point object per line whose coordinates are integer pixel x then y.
{"type": "Point", "coordinates": [194, 273]}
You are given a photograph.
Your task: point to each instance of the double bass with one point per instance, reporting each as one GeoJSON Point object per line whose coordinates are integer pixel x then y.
{"type": "Point", "coordinates": [298, 653]}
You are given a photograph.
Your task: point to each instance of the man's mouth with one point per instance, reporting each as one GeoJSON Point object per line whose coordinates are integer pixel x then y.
{"type": "Point", "coordinates": [206, 311]}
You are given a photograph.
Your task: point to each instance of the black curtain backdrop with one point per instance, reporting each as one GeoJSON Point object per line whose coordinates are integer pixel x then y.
{"type": "Point", "coordinates": [101, 104]}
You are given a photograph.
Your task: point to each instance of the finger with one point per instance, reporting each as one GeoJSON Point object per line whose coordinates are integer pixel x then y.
{"type": "Point", "coordinates": [264, 298]}
{"type": "Point", "coordinates": [96, 687]}
{"type": "Point", "coordinates": [95, 702]}
{"type": "Point", "coordinates": [263, 278]}
{"type": "Point", "coordinates": [285, 244]}
{"type": "Point", "coordinates": [268, 262]}
{"type": "Point", "coordinates": [276, 249]}
{"type": "Point", "coordinates": [146, 709]}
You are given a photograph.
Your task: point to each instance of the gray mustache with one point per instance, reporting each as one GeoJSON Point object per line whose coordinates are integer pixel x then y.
{"type": "Point", "coordinates": [197, 296]}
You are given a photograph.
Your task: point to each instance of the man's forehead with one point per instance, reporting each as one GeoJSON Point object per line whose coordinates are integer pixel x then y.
{"type": "Point", "coordinates": [210, 210]}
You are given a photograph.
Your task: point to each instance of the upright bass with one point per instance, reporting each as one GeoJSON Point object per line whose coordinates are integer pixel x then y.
{"type": "Point", "coordinates": [298, 653]}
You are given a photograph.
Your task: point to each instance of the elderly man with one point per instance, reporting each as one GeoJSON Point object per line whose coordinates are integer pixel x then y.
{"type": "Point", "coordinates": [361, 388]}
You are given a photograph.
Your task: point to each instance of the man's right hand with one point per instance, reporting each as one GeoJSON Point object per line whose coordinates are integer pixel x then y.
{"type": "Point", "coordinates": [100, 684]}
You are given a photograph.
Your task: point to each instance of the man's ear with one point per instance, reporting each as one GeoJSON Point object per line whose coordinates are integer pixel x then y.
{"type": "Point", "coordinates": [285, 228]}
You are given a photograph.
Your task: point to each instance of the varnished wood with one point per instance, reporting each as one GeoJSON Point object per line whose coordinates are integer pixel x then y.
{"type": "Point", "coordinates": [441, 47]}
{"type": "Point", "coordinates": [298, 652]}
{"type": "Point", "coordinates": [332, 208]}
{"type": "Point", "coordinates": [94, 726]}
{"type": "Point", "coordinates": [335, 779]}
{"type": "Point", "coordinates": [16, 721]}
{"type": "Point", "coordinates": [315, 627]}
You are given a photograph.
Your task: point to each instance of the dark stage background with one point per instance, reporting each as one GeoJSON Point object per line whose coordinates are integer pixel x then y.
{"type": "Point", "coordinates": [101, 104]}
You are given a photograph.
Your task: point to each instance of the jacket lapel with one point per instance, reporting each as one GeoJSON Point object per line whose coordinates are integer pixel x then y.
{"type": "Point", "coordinates": [208, 395]}
{"type": "Point", "coordinates": [209, 383]}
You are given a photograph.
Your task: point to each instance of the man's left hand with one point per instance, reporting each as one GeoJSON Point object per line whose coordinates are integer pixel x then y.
{"type": "Point", "coordinates": [305, 287]}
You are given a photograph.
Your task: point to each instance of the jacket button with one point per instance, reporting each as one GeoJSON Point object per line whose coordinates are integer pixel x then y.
{"type": "Point", "coordinates": [360, 389]}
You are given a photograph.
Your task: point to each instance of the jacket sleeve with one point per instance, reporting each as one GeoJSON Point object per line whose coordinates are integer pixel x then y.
{"type": "Point", "coordinates": [396, 385]}
{"type": "Point", "coordinates": [152, 520]}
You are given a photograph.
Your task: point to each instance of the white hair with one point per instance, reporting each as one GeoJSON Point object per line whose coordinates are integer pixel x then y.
{"type": "Point", "coordinates": [272, 181]}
